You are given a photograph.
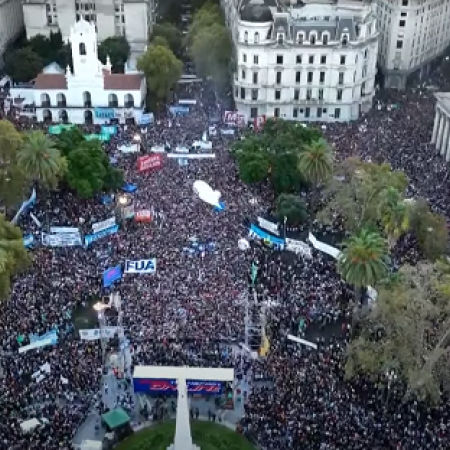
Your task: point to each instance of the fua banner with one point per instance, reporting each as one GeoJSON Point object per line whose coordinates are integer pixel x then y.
{"type": "Point", "coordinates": [103, 225]}
{"type": "Point", "coordinates": [140, 266]}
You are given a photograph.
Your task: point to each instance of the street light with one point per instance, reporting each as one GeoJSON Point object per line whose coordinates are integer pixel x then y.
{"type": "Point", "coordinates": [101, 308]}
{"type": "Point", "coordinates": [391, 377]}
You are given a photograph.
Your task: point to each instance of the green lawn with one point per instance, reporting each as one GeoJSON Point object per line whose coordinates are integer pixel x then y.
{"type": "Point", "coordinates": [207, 435]}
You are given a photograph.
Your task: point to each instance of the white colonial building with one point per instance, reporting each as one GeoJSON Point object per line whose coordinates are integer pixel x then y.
{"type": "Point", "coordinates": [310, 60]}
{"type": "Point", "coordinates": [413, 33]}
{"type": "Point", "coordinates": [11, 22]}
{"type": "Point", "coordinates": [89, 94]}
{"type": "Point", "coordinates": [131, 18]}
{"type": "Point", "coordinates": [441, 129]}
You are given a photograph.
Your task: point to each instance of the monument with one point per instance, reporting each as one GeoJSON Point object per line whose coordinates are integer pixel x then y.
{"type": "Point", "coordinates": [156, 379]}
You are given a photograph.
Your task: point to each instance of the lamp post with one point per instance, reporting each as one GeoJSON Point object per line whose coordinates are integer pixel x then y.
{"type": "Point", "coordinates": [391, 377]}
{"type": "Point", "coordinates": [101, 308]}
{"type": "Point", "coordinates": [123, 206]}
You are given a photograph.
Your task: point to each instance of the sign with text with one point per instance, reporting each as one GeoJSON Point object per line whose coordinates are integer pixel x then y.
{"type": "Point", "coordinates": [234, 118]}
{"type": "Point", "coordinates": [298, 247]}
{"type": "Point", "coordinates": [99, 226]}
{"type": "Point", "coordinates": [167, 386]}
{"type": "Point", "coordinates": [140, 266]}
{"type": "Point", "coordinates": [268, 226]}
{"type": "Point", "coordinates": [145, 215]}
{"type": "Point", "coordinates": [149, 162]}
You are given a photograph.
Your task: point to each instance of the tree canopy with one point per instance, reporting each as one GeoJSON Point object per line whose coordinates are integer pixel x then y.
{"type": "Point", "coordinates": [171, 34]}
{"type": "Point", "coordinates": [292, 208]}
{"type": "Point", "coordinates": [118, 49]}
{"type": "Point", "coordinates": [23, 64]}
{"type": "Point", "coordinates": [162, 70]}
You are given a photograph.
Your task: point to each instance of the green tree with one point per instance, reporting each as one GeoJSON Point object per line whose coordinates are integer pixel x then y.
{"type": "Point", "coordinates": [171, 34]}
{"type": "Point", "coordinates": [41, 160]}
{"type": "Point", "coordinates": [161, 41]}
{"type": "Point", "coordinates": [162, 70]}
{"type": "Point", "coordinates": [69, 140]}
{"type": "Point", "coordinates": [356, 191]}
{"type": "Point", "coordinates": [12, 177]}
{"type": "Point", "coordinates": [291, 208]}
{"type": "Point", "coordinates": [118, 49]}
{"type": "Point", "coordinates": [315, 162]}
{"type": "Point", "coordinates": [23, 64]}
{"type": "Point", "coordinates": [205, 17]}
{"type": "Point", "coordinates": [408, 331]}
{"type": "Point", "coordinates": [254, 163]}
{"type": "Point", "coordinates": [364, 261]}
{"type": "Point", "coordinates": [14, 258]}
{"type": "Point", "coordinates": [211, 51]}
{"type": "Point", "coordinates": [89, 170]}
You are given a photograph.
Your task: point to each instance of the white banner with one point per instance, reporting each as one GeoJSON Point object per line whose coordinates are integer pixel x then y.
{"type": "Point", "coordinates": [61, 239]}
{"type": "Point", "coordinates": [234, 118]}
{"type": "Point", "coordinates": [298, 247]}
{"type": "Point", "coordinates": [96, 333]}
{"type": "Point", "coordinates": [268, 226]}
{"type": "Point", "coordinates": [130, 148]}
{"type": "Point", "coordinates": [140, 266]}
{"type": "Point", "coordinates": [100, 226]}
{"type": "Point", "coordinates": [64, 230]}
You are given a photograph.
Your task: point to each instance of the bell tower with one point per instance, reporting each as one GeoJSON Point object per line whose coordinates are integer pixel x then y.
{"type": "Point", "coordinates": [83, 39]}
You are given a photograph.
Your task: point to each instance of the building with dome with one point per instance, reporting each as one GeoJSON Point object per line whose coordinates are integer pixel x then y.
{"type": "Point", "coordinates": [310, 60]}
{"type": "Point", "coordinates": [90, 93]}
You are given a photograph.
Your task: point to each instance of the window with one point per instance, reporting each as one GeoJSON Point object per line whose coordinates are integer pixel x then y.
{"type": "Point", "coordinates": [255, 94]}
{"type": "Point", "coordinates": [402, 23]}
{"type": "Point", "coordinates": [300, 38]}
{"type": "Point", "coordinates": [320, 94]}
{"type": "Point", "coordinates": [255, 77]}
{"type": "Point", "coordinates": [253, 113]}
{"type": "Point", "coordinates": [243, 74]}
{"type": "Point", "coordinates": [311, 59]}
{"type": "Point", "coordinates": [337, 113]}
{"type": "Point", "coordinates": [277, 94]}
{"type": "Point", "coordinates": [344, 39]}
{"type": "Point", "coordinates": [323, 59]}
{"type": "Point", "coordinates": [299, 59]}
{"type": "Point", "coordinates": [403, 14]}
{"type": "Point", "coordinates": [309, 77]}
{"type": "Point", "coordinates": [246, 37]}
{"type": "Point", "coordinates": [256, 38]}
{"type": "Point", "coordinates": [280, 38]}
{"type": "Point", "coordinates": [312, 39]}
{"type": "Point", "coordinates": [82, 48]}
{"type": "Point", "coordinates": [342, 61]}
{"type": "Point", "coordinates": [307, 112]}
{"type": "Point", "coordinates": [296, 94]}
{"type": "Point", "coordinates": [341, 78]}
{"type": "Point", "coordinates": [404, 2]}
{"type": "Point", "coordinates": [243, 93]}
{"type": "Point", "coordinates": [279, 59]}
{"type": "Point", "coordinates": [339, 94]}
{"type": "Point", "coordinates": [295, 113]}
{"type": "Point", "coordinates": [399, 44]}
{"type": "Point", "coordinates": [298, 76]}
{"type": "Point", "coordinates": [244, 57]}
{"type": "Point", "coordinates": [322, 77]}
{"type": "Point", "coordinates": [278, 78]}
{"type": "Point", "coordinates": [276, 112]}
{"type": "Point", "coordinates": [236, 92]}
{"type": "Point", "coordinates": [255, 59]}
{"type": "Point", "coordinates": [325, 39]}
{"type": "Point", "coordinates": [308, 94]}
{"type": "Point", "coordinates": [319, 113]}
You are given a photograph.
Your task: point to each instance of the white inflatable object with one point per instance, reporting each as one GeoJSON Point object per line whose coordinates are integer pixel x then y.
{"type": "Point", "coordinates": [243, 244]}
{"type": "Point", "coordinates": [206, 193]}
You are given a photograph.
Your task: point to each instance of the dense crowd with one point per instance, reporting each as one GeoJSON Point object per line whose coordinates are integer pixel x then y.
{"type": "Point", "coordinates": [191, 310]}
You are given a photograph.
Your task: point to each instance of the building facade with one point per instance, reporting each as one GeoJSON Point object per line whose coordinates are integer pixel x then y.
{"type": "Point", "coordinates": [11, 22]}
{"type": "Point", "coordinates": [441, 130]}
{"type": "Point", "coordinates": [130, 18]}
{"type": "Point", "coordinates": [90, 94]}
{"type": "Point", "coordinates": [310, 60]}
{"type": "Point", "coordinates": [412, 34]}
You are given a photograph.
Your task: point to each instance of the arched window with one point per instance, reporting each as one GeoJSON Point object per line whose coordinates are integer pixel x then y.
{"type": "Point", "coordinates": [256, 38]}
{"type": "Point", "coordinates": [82, 48]}
{"type": "Point", "coordinates": [129, 101]}
{"type": "Point", "coordinates": [312, 38]}
{"type": "Point", "coordinates": [87, 101]}
{"type": "Point", "coordinates": [45, 100]}
{"type": "Point", "coordinates": [300, 37]}
{"type": "Point", "coordinates": [344, 39]}
{"type": "Point", "coordinates": [246, 37]}
{"type": "Point", "coordinates": [112, 100]}
{"type": "Point", "coordinates": [61, 100]}
{"type": "Point", "coordinates": [280, 38]}
{"type": "Point", "coordinates": [325, 38]}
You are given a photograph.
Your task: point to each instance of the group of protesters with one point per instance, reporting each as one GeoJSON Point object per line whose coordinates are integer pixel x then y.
{"type": "Point", "coordinates": [191, 311]}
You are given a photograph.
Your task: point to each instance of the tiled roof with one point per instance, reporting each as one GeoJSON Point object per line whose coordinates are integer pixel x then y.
{"type": "Point", "coordinates": [122, 82]}
{"type": "Point", "coordinates": [50, 81]}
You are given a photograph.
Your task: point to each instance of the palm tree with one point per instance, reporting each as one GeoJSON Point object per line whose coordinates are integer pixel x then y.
{"type": "Point", "coordinates": [364, 261]}
{"type": "Point", "coordinates": [315, 162]}
{"type": "Point", "coordinates": [41, 160]}
{"type": "Point", "coordinates": [394, 215]}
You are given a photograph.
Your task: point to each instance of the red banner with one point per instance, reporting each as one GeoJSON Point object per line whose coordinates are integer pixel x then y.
{"type": "Point", "coordinates": [144, 215]}
{"type": "Point", "coordinates": [149, 162]}
{"type": "Point", "coordinates": [234, 118]}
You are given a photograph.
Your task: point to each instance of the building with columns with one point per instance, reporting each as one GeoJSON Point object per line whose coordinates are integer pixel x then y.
{"type": "Point", "coordinates": [133, 19]}
{"type": "Point", "coordinates": [90, 93]}
{"type": "Point", "coordinates": [441, 129]}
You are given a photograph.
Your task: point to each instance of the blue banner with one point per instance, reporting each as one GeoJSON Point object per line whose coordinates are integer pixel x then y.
{"type": "Point", "coordinates": [106, 199]}
{"type": "Point", "coordinates": [90, 238]}
{"type": "Point", "coordinates": [109, 129]}
{"type": "Point", "coordinates": [53, 335]}
{"type": "Point", "coordinates": [179, 110]}
{"type": "Point", "coordinates": [129, 187]}
{"type": "Point", "coordinates": [26, 205]}
{"type": "Point", "coordinates": [104, 113]}
{"type": "Point", "coordinates": [147, 119]}
{"type": "Point", "coordinates": [28, 241]}
{"type": "Point", "coordinates": [261, 234]}
{"type": "Point", "coordinates": [111, 275]}
{"type": "Point", "coordinates": [167, 386]}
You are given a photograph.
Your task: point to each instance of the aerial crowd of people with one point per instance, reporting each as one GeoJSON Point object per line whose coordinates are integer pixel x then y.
{"type": "Point", "coordinates": [191, 308]}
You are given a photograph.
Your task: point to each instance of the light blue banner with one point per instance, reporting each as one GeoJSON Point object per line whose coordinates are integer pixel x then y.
{"type": "Point", "coordinates": [147, 119]}
{"type": "Point", "coordinates": [104, 113]}
{"type": "Point", "coordinates": [26, 205]}
{"type": "Point", "coordinates": [179, 110]}
{"type": "Point", "coordinates": [28, 241]}
{"type": "Point", "coordinates": [261, 234]}
{"type": "Point", "coordinates": [53, 335]}
{"type": "Point", "coordinates": [90, 238]}
{"type": "Point", "coordinates": [109, 129]}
